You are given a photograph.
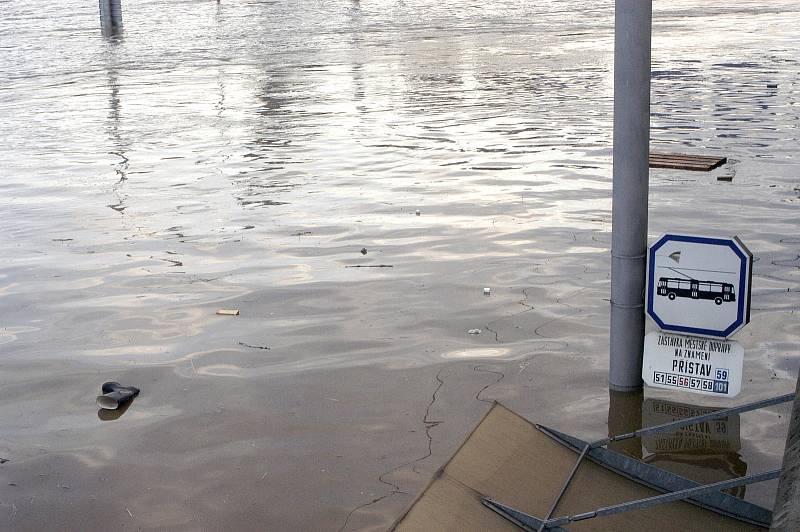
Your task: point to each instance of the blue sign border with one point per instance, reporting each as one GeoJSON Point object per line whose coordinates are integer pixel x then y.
{"type": "Point", "coordinates": [742, 309]}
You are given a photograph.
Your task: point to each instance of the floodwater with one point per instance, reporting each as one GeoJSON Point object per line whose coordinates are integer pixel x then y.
{"type": "Point", "coordinates": [241, 154]}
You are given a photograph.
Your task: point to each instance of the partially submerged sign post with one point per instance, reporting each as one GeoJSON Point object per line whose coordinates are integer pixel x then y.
{"type": "Point", "coordinates": [632, 25]}
{"type": "Point", "coordinates": [698, 286]}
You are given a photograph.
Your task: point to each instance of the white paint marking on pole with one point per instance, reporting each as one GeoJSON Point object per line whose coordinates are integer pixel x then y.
{"type": "Point", "coordinates": [699, 285]}
{"type": "Point", "coordinates": [716, 436]}
{"type": "Point", "coordinates": [693, 364]}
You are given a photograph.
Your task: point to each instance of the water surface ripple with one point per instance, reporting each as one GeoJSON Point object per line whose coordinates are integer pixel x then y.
{"type": "Point", "coordinates": [241, 155]}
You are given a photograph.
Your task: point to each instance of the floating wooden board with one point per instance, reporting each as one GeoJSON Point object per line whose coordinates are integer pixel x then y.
{"type": "Point", "coordinates": [679, 161]}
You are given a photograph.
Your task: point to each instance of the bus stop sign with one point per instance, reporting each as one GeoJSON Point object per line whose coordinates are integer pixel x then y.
{"type": "Point", "coordinates": [699, 285]}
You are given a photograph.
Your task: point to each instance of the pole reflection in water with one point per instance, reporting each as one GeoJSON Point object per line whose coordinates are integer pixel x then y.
{"type": "Point", "coordinates": [705, 452]}
{"type": "Point", "coordinates": [118, 144]}
{"type": "Point", "coordinates": [625, 415]}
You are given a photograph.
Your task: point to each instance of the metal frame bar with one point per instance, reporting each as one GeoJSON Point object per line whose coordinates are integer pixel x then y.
{"type": "Point", "coordinates": [664, 498]}
{"type": "Point", "coordinates": [696, 419]}
{"type": "Point", "coordinates": [526, 522]}
{"type": "Point", "coordinates": [529, 521]}
{"type": "Point", "coordinates": [564, 487]}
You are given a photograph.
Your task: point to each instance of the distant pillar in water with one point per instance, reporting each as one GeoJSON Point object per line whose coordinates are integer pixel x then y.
{"type": "Point", "coordinates": [110, 15]}
{"type": "Point", "coordinates": [632, 29]}
{"type": "Point", "coordinates": [786, 514]}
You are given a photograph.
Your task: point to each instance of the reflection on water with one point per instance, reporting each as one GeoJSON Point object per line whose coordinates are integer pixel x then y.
{"type": "Point", "coordinates": [263, 142]}
{"type": "Point", "coordinates": [705, 452]}
{"type": "Point", "coordinates": [118, 144]}
{"type": "Point", "coordinates": [624, 416]}
{"type": "Point", "coordinates": [105, 414]}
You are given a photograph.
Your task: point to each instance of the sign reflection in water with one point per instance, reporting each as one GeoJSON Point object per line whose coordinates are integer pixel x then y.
{"type": "Point", "coordinates": [705, 452]}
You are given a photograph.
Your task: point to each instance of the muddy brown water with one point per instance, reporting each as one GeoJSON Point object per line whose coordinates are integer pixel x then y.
{"type": "Point", "coordinates": [241, 155]}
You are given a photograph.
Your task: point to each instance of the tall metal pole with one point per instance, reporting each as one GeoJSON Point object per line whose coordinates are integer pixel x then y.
{"type": "Point", "coordinates": [786, 515]}
{"type": "Point", "coordinates": [632, 29]}
{"type": "Point", "coordinates": [110, 16]}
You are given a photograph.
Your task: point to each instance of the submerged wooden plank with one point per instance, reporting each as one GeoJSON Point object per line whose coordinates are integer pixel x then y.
{"type": "Point", "coordinates": [684, 156]}
{"type": "Point", "coordinates": [680, 161]}
{"type": "Point", "coordinates": [690, 160]}
{"type": "Point", "coordinates": [510, 460]}
{"type": "Point", "coordinates": [685, 162]}
{"type": "Point", "coordinates": [680, 166]}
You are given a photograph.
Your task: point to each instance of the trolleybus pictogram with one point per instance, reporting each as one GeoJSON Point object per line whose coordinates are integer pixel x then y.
{"type": "Point", "coordinates": [673, 287]}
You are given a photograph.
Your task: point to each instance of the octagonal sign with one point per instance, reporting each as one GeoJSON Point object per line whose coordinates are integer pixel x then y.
{"type": "Point", "coordinates": [699, 285]}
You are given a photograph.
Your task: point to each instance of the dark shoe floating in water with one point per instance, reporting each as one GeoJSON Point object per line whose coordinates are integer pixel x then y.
{"type": "Point", "coordinates": [115, 395]}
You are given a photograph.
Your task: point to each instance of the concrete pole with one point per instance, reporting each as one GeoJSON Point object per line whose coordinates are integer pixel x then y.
{"type": "Point", "coordinates": [786, 514]}
{"type": "Point", "coordinates": [632, 28]}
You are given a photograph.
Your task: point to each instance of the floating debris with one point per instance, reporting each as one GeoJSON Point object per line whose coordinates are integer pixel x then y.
{"type": "Point", "coordinates": [363, 251]}
{"type": "Point", "coordinates": [228, 312]}
{"type": "Point", "coordinates": [115, 395]}
{"type": "Point", "coordinates": [681, 161]}
{"type": "Point", "coordinates": [265, 347]}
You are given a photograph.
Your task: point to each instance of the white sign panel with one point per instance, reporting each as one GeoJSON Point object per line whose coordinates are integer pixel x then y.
{"type": "Point", "coordinates": [715, 436]}
{"type": "Point", "coordinates": [693, 364]}
{"type": "Point", "coordinates": [699, 285]}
